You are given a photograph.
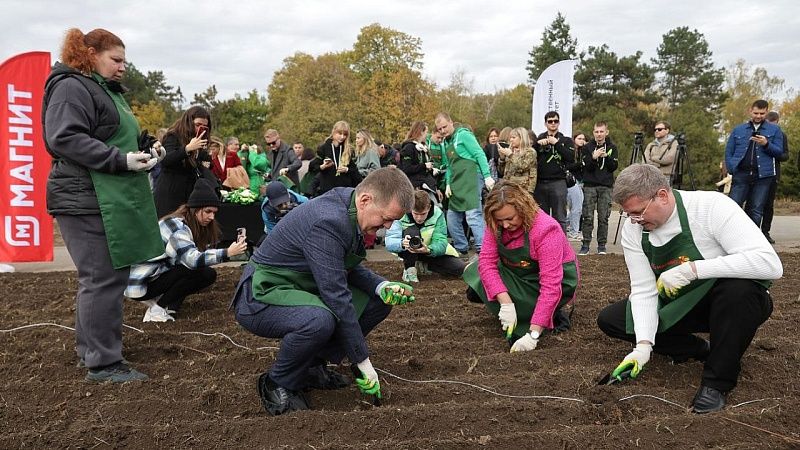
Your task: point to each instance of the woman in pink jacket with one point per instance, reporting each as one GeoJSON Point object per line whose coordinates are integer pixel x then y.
{"type": "Point", "coordinates": [527, 269]}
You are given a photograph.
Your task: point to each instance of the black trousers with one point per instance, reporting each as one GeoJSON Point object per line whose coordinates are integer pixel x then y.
{"type": "Point", "coordinates": [444, 265]}
{"type": "Point", "coordinates": [174, 285]}
{"type": "Point", "coordinates": [731, 312]}
{"type": "Point", "coordinates": [551, 195]}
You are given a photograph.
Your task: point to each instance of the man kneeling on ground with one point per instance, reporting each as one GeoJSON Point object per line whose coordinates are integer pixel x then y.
{"type": "Point", "coordinates": [697, 264]}
{"type": "Point", "coordinates": [420, 238]}
{"type": "Point", "coordinates": [306, 285]}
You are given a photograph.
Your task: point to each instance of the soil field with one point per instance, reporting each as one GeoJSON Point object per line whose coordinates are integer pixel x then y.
{"type": "Point", "coordinates": [448, 379]}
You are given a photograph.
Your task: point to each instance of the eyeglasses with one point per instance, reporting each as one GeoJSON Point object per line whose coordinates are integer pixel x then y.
{"type": "Point", "coordinates": [639, 218]}
{"type": "Point", "coordinates": [660, 129]}
{"type": "Point", "coordinates": [552, 121]}
{"type": "Point", "coordinates": [270, 144]}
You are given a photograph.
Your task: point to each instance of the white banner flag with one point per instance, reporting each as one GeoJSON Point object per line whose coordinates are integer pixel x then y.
{"type": "Point", "coordinates": [553, 92]}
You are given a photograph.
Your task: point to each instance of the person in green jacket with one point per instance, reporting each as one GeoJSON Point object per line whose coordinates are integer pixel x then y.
{"type": "Point", "coordinates": [431, 251]}
{"type": "Point", "coordinates": [467, 173]}
{"type": "Point", "coordinates": [256, 164]}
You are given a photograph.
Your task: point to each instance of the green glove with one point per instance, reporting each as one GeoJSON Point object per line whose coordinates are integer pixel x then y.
{"type": "Point", "coordinates": [634, 362]}
{"type": "Point", "coordinates": [368, 383]}
{"type": "Point", "coordinates": [396, 293]}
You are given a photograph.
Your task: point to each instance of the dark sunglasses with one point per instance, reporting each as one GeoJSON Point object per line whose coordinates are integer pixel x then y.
{"type": "Point", "coordinates": [272, 143]}
{"type": "Point", "coordinates": [553, 120]}
{"type": "Point", "coordinates": [660, 129]}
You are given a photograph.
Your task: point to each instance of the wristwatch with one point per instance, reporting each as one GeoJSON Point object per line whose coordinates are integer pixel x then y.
{"type": "Point", "coordinates": [535, 334]}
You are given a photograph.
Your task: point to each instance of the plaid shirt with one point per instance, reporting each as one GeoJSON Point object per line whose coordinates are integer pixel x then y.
{"type": "Point", "coordinates": [180, 249]}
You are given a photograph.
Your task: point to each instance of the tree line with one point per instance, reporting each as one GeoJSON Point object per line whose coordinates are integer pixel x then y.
{"type": "Point", "coordinates": [378, 84]}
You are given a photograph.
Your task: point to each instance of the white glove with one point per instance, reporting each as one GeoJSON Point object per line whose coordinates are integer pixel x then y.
{"type": "Point", "coordinates": [671, 281]}
{"type": "Point", "coordinates": [489, 181]}
{"type": "Point", "coordinates": [524, 344]}
{"type": "Point", "coordinates": [635, 360]}
{"type": "Point", "coordinates": [158, 151]}
{"type": "Point", "coordinates": [508, 318]}
{"type": "Point", "coordinates": [447, 191]}
{"type": "Point", "coordinates": [138, 162]}
{"type": "Point", "coordinates": [366, 368]}
{"type": "Point", "coordinates": [284, 171]}
{"type": "Point", "coordinates": [436, 172]}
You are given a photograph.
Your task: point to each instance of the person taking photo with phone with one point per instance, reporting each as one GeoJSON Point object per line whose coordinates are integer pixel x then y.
{"type": "Point", "coordinates": [186, 142]}
{"type": "Point", "coordinates": [188, 234]}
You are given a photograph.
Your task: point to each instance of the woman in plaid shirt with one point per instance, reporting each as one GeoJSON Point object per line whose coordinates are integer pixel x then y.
{"type": "Point", "coordinates": [183, 269]}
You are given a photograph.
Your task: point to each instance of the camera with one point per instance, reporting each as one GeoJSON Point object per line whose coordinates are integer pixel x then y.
{"type": "Point", "coordinates": [284, 209]}
{"type": "Point", "coordinates": [415, 243]}
{"type": "Point", "coordinates": [638, 138]}
{"type": "Point", "coordinates": [681, 139]}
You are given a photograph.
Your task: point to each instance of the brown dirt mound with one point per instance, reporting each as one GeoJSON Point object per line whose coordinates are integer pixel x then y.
{"type": "Point", "coordinates": [202, 389]}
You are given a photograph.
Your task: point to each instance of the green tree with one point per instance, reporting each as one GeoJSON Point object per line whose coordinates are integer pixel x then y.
{"type": "Point", "coordinates": [308, 95]}
{"type": "Point", "coordinates": [604, 81]}
{"type": "Point", "coordinates": [381, 49]}
{"type": "Point", "coordinates": [789, 185]}
{"type": "Point", "coordinates": [557, 45]}
{"type": "Point", "coordinates": [745, 84]}
{"type": "Point", "coordinates": [152, 87]}
{"type": "Point", "coordinates": [703, 147]}
{"type": "Point", "coordinates": [687, 71]}
{"type": "Point", "coordinates": [243, 117]}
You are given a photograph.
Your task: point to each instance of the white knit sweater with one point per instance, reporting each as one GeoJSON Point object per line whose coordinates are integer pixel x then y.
{"type": "Point", "coordinates": [731, 244]}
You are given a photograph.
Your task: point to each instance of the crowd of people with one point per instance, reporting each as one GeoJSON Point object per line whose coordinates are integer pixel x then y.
{"type": "Point", "coordinates": [697, 262]}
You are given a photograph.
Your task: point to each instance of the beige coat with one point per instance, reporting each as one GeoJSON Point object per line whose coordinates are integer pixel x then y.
{"type": "Point", "coordinates": [662, 155]}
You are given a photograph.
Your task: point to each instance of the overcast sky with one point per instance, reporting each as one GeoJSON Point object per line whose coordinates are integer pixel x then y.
{"type": "Point", "coordinates": [238, 44]}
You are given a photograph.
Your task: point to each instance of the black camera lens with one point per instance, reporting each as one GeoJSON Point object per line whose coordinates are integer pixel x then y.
{"type": "Point", "coordinates": [415, 243]}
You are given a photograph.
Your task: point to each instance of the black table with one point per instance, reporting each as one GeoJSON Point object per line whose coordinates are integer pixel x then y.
{"type": "Point", "coordinates": [231, 216]}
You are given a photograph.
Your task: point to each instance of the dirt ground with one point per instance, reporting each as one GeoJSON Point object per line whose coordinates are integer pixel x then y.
{"type": "Point", "coordinates": [448, 379]}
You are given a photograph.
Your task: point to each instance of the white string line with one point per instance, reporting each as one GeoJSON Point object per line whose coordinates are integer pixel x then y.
{"type": "Point", "coordinates": [482, 388]}
{"type": "Point", "coordinates": [653, 396]}
{"type": "Point", "coordinates": [217, 334]}
{"type": "Point", "coordinates": [463, 383]}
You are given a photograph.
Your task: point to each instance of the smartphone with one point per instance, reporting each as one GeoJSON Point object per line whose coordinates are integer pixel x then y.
{"type": "Point", "coordinates": [241, 234]}
{"type": "Point", "coordinates": [327, 160]}
{"type": "Point", "coordinates": [201, 130]}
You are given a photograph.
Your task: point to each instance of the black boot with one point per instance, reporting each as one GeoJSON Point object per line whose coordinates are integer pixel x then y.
{"type": "Point", "coordinates": [322, 377]}
{"type": "Point", "coordinates": [278, 400]}
{"type": "Point", "coordinates": [708, 400]}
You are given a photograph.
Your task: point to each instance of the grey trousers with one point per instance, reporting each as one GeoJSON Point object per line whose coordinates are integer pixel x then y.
{"type": "Point", "coordinates": [98, 314]}
{"type": "Point", "coordinates": [596, 198]}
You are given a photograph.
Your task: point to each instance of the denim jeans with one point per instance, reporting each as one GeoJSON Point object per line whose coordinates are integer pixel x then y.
{"type": "Point", "coordinates": [575, 204]}
{"type": "Point", "coordinates": [474, 220]}
{"type": "Point", "coordinates": [754, 192]}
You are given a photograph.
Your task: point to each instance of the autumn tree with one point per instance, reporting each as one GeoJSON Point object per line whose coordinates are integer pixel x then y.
{"type": "Point", "coordinates": [745, 84]}
{"type": "Point", "coordinates": [152, 87]}
{"type": "Point", "coordinates": [150, 116]}
{"type": "Point", "coordinates": [381, 49]}
{"type": "Point", "coordinates": [686, 70]}
{"type": "Point", "coordinates": [557, 45]}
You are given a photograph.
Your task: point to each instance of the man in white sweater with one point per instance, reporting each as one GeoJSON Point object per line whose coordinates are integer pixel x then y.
{"type": "Point", "coordinates": [697, 264]}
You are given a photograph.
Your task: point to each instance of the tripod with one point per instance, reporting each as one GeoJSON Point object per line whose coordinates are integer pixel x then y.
{"type": "Point", "coordinates": [682, 165]}
{"type": "Point", "coordinates": [637, 155]}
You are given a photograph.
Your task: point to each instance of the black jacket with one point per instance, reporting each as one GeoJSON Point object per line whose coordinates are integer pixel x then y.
{"type": "Point", "coordinates": [412, 163]}
{"type": "Point", "coordinates": [328, 178]}
{"type": "Point", "coordinates": [600, 171]}
{"type": "Point", "coordinates": [552, 160]}
{"type": "Point", "coordinates": [177, 178]}
{"type": "Point", "coordinates": [78, 117]}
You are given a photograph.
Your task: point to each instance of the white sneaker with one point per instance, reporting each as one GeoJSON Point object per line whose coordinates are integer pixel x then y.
{"type": "Point", "coordinates": [410, 275]}
{"type": "Point", "coordinates": [156, 313]}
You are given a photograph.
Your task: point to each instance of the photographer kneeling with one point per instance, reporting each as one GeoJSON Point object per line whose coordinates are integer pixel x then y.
{"type": "Point", "coordinates": [188, 233]}
{"type": "Point", "coordinates": [421, 237]}
{"type": "Point", "coordinates": [278, 202]}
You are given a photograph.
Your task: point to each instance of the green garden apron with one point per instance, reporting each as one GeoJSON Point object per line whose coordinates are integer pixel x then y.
{"type": "Point", "coordinates": [463, 181]}
{"type": "Point", "coordinates": [678, 250]}
{"type": "Point", "coordinates": [520, 274]}
{"type": "Point", "coordinates": [125, 200]}
{"type": "Point", "coordinates": [286, 287]}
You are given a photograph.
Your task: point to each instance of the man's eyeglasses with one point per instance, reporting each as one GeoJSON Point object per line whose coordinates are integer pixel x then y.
{"type": "Point", "coordinates": [639, 218]}
{"type": "Point", "coordinates": [552, 121]}
{"type": "Point", "coordinates": [272, 144]}
{"type": "Point", "coordinates": [660, 129]}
